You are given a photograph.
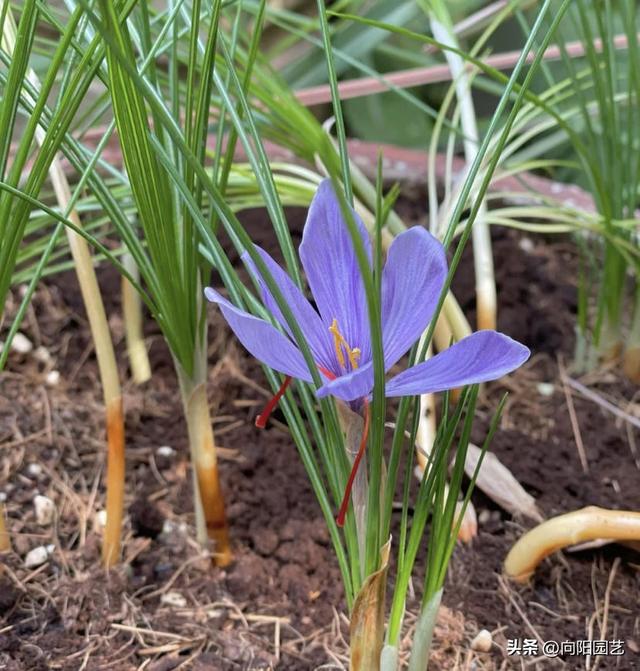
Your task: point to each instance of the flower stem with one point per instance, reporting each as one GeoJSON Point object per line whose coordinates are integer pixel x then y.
{"type": "Point", "coordinates": [631, 360]}
{"type": "Point", "coordinates": [610, 340]}
{"type": "Point", "coordinates": [452, 326]}
{"type": "Point", "coordinates": [5, 539]}
{"type": "Point", "coordinates": [442, 334]}
{"type": "Point", "coordinates": [211, 523]}
{"type": "Point", "coordinates": [427, 424]}
{"type": "Point", "coordinates": [354, 469]}
{"type": "Point", "coordinates": [460, 327]}
{"type": "Point", "coordinates": [115, 482]}
{"type": "Point", "coordinates": [423, 634]}
{"type": "Point", "coordinates": [427, 427]}
{"type": "Point", "coordinates": [132, 310]}
{"type": "Point", "coordinates": [482, 253]}
{"type": "Point", "coordinates": [108, 368]}
{"type": "Point", "coordinates": [579, 526]}
{"type": "Point", "coordinates": [99, 327]}
{"type": "Point", "coordinates": [631, 363]}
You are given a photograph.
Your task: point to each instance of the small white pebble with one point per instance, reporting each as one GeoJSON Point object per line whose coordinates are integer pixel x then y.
{"type": "Point", "coordinates": [38, 556]}
{"type": "Point", "coordinates": [165, 451]}
{"type": "Point", "coordinates": [53, 378]}
{"type": "Point", "coordinates": [42, 354]}
{"type": "Point", "coordinates": [171, 531]}
{"type": "Point", "coordinates": [482, 642]}
{"type": "Point", "coordinates": [526, 245]}
{"type": "Point", "coordinates": [484, 516]}
{"type": "Point", "coordinates": [100, 520]}
{"type": "Point", "coordinates": [21, 344]}
{"type": "Point", "coordinates": [34, 470]}
{"type": "Point", "coordinates": [168, 528]}
{"type": "Point", "coordinates": [3, 497]}
{"type": "Point", "coordinates": [45, 509]}
{"type": "Point", "coordinates": [545, 388]}
{"type": "Point", "coordinates": [174, 599]}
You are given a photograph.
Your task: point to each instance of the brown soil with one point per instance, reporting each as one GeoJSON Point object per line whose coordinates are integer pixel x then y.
{"type": "Point", "coordinates": [280, 605]}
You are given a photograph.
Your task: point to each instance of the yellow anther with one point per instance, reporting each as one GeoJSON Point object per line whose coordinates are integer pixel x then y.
{"type": "Point", "coordinates": [338, 339]}
{"type": "Point", "coordinates": [341, 344]}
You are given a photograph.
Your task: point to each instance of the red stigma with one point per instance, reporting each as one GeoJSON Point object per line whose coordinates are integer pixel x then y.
{"type": "Point", "coordinates": [326, 373]}
{"type": "Point", "coordinates": [344, 506]}
{"type": "Point", "coordinates": [263, 417]}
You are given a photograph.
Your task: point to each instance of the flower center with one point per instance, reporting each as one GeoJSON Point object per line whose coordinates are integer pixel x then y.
{"type": "Point", "coordinates": [342, 347]}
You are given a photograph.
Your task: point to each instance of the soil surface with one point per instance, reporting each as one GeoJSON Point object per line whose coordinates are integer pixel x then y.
{"type": "Point", "coordinates": [280, 605]}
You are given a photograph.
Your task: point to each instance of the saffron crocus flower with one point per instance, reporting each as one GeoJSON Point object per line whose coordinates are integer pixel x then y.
{"type": "Point", "coordinates": [338, 332]}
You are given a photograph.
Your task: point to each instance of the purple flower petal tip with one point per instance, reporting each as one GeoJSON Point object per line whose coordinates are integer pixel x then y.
{"type": "Point", "coordinates": [211, 294]}
{"type": "Point", "coordinates": [480, 357]}
{"type": "Point", "coordinates": [261, 339]}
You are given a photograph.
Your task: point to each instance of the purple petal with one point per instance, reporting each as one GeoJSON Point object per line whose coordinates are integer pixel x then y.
{"type": "Point", "coordinates": [331, 266]}
{"type": "Point", "coordinates": [482, 356]}
{"type": "Point", "coordinates": [308, 319]}
{"type": "Point", "coordinates": [262, 340]}
{"type": "Point", "coordinates": [349, 387]}
{"type": "Point", "coordinates": [411, 283]}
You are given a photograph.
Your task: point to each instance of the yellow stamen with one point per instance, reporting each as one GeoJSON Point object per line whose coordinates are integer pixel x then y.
{"type": "Point", "coordinates": [340, 343]}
